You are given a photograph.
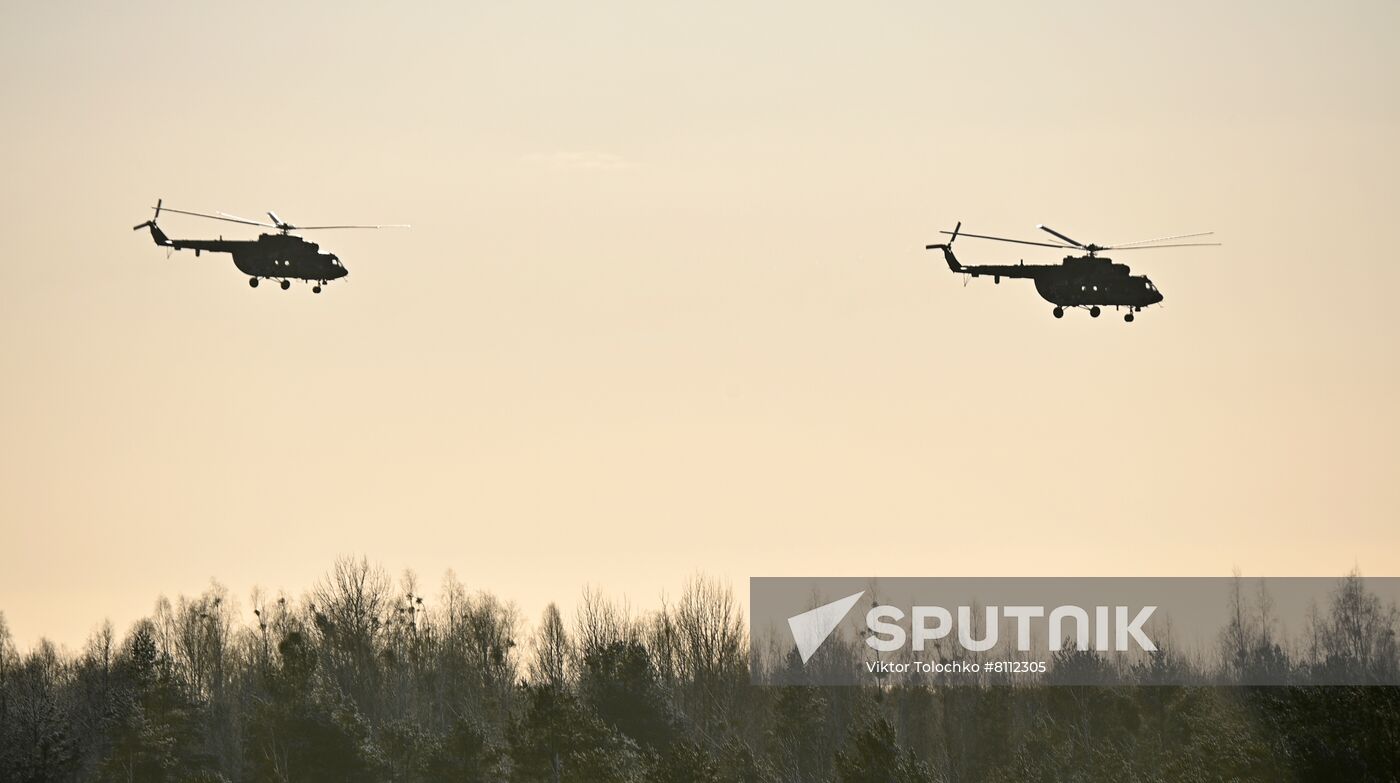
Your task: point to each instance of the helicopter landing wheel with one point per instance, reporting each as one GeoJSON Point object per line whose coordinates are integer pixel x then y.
{"type": "Point", "coordinates": [1128, 318]}
{"type": "Point", "coordinates": [1059, 312]}
{"type": "Point", "coordinates": [315, 289]}
{"type": "Point", "coordinates": [286, 284]}
{"type": "Point", "coordinates": [1094, 311]}
{"type": "Point", "coordinates": [252, 282]}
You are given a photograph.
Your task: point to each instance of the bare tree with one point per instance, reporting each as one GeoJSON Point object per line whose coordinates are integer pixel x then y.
{"type": "Point", "coordinates": [195, 634]}
{"type": "Point", "coordinates": [705, 647]}
{"type": "Point", "coordinates": [1359, 632]}
{"type": "Point", "coordinates": [348, 609]}
{"type": "Point", "coordinates": [9, 664]}
{"type": "Point", "coordinates": [602, 624]}
{"type": "Point", "coordinates": [550, 664]}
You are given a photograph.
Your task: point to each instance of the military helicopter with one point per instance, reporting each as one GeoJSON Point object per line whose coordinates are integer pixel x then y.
{"type": "Point", "coordinates": [1089, 280]}
{"type": "Point", "coordinates": [281, 256]}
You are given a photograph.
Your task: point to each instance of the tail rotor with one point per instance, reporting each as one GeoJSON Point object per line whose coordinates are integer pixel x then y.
{"type": "Point", "coordinates": [156, 234]}
{"type": "Point", "coordinates": [152, 221]}
{"type": "Point", "coordinates": [947, 248]}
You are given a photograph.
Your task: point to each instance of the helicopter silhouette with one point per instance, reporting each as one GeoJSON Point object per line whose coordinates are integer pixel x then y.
{"type": "Point", "coordinates": [281, 256]}
{"type": "Point", "coordinates": [1090, 280]}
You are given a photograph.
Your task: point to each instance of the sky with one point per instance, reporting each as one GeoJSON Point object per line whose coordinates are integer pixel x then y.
{"type": "Point", "coordinates": [665, 307]}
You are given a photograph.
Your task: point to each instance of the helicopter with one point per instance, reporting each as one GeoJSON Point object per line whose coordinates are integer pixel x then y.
{"type": "Point", "coordinates": [281, 256]}
{"type": "Point", "coordinates": [1089, 281]}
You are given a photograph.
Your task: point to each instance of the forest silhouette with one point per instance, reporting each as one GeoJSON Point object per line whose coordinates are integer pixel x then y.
{"type": "Point", "coordinates": [366, 678]}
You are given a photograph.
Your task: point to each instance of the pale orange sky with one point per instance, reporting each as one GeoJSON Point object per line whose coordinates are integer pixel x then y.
{"type": "Point", "coordinates": [665, 307]}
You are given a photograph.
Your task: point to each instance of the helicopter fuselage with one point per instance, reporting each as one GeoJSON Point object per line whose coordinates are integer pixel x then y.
{"type": "Point", "coordinates": [1077, 281]}
{"type": "Point", "coordinates": [277, 256]}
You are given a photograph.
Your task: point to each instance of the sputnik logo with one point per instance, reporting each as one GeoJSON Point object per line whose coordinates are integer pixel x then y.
{"type": "Point", "coordinates": [811, 628]}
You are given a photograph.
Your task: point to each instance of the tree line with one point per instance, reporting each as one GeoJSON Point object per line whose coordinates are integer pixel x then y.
{"type": "Point", "coordinates": [366, 678]}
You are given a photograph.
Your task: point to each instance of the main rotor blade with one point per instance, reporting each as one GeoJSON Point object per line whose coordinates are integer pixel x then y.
{"type": "Point", "coordinates": [1049, 230]}
{"type": "Point", "coordinates": [1004, 239]}
{"type": "Point", "coordinates": [1154, 247]}
{"type": "Point", "coordinates": [1158, 239]}
{"type": "Point", "coordinates": [246, 220]}
{"type": "Point", "coordinates": [213, 217]}
{"type": "Point", "coordinates": [313, 228]}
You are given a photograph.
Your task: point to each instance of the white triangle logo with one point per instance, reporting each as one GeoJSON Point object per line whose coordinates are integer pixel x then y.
{"type": "Point", "coordinates": [811, 628]}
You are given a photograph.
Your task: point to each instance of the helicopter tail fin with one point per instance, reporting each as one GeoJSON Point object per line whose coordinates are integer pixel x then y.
{"type": "Point", "coordinates": [948, 256]}
{"type": "Point", "coordinates": [947, 249]}
{"type": "Point", "coordinates": [156, 234]}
